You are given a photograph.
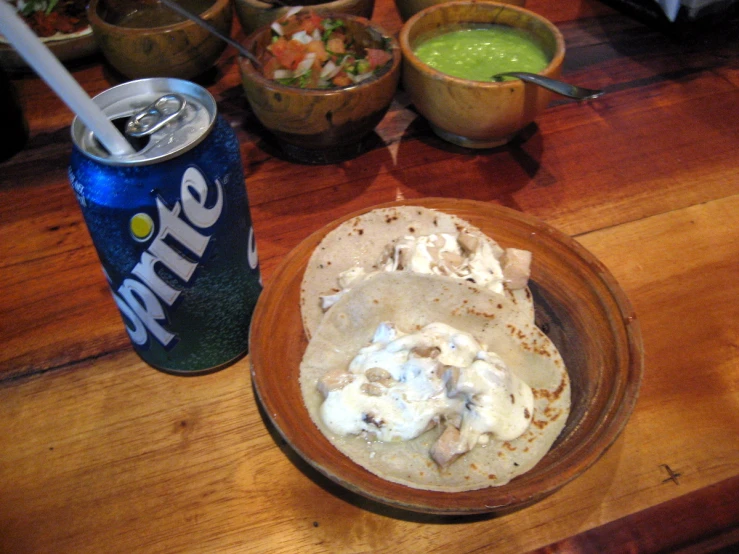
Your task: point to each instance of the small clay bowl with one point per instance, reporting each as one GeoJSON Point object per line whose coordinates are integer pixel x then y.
{"type": "Point", "coordinates": [169, 46]}
{"type": "Point", "coordinates": [409, 8]}
{"type": "Point", "coordinates": [319, 126]}
{"type": "Point", "coordinates": [579, 305]}
{"type": "Point", "coordinates": [253, 14]}
{"type": "Point", "coordinates": [476, 114]}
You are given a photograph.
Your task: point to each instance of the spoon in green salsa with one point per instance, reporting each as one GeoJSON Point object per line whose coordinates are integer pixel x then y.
{"type": "Point", "coordinates": [560, 87]}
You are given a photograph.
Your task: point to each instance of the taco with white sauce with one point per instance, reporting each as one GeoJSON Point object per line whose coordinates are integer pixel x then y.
{"type": "Point", "coordinates": [54, 20]}
{"type": "Point", "coordinates": [414, 239]}
{"type": "Point", "coordinates": [434, 383]}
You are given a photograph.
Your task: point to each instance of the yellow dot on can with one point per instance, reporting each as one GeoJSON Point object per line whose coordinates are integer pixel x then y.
{"type": "Point", "coordinates": [142, 227]}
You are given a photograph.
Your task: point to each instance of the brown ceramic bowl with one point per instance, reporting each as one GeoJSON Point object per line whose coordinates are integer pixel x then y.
{"type": "Point", "coordinates": [409, 8]}
{"type": "Point", "coordinates": [580, 307]}
{"type": "Point", "coordinates": [476, 114]}
{"type": "Point", "coordinates": [168, 46]}
{"type": "Point", "coordinates": [253, 14]}
{"type": "Point", "coordinates": [322, 125]}
{"type": "Point", "coordinates": [69, 49]}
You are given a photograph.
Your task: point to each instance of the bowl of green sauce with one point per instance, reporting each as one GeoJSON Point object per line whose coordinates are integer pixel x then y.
{"type": "Point", "coordinates": [451, 52]}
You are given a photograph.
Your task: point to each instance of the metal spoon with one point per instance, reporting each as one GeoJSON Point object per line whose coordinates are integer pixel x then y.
{"type": "Point", "coordinates": [208, 27]}
{"type": "Point", "coordinates": [560, 87]}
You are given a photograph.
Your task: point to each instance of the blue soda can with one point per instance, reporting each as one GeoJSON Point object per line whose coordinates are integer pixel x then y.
{"type": "Point", "coordinates": [171, 224]}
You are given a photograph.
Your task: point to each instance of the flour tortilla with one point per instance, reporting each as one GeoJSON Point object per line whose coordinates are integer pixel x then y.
{"type": "Point", "coordinates": [411, 301]}
{"type": "Point", "coordinates": [360, 242]}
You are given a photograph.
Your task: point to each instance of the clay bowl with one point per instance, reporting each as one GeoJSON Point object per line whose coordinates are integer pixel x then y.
{"type": "Point", "coordinates": [579, 306]}
{"type": "Point", "coordinates": [253, 14]}
{"type": "Point", "coordinates": [476, 114]}
{"type": "Point", "coordinates": [169, 46]}
{"type": "Point", "coordinates": [69, 49]}
{"type": "Point", "coordinates": [322, 126]}
{"type": "Point", "coordinates": [409, 8]}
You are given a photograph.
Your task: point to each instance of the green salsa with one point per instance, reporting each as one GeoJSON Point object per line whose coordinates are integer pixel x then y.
{"type": "Point", "coordinates": [478, 53]}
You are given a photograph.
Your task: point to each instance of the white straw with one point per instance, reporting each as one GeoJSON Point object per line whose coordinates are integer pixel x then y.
{"type": "Point", "coordinates": [50, 69]}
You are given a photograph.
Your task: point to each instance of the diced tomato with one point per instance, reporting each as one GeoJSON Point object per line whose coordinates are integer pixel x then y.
{"type": "Point", "coordinates": [290, 27]}
{"type": "Point", "coordinates": [342, 80]}
{"type": "Point", "coordinates": [336, 44]}
{"type": "Point", "coordinates": [288, 52]}
{"type": "Point", "coordinates": [377, 57]}
{"type": "Point", "coordinates": [312, 23]}
{"type": "Point", "coordinates": [317, 48]}
{"type": "Point", "coordinates": [269, 66]}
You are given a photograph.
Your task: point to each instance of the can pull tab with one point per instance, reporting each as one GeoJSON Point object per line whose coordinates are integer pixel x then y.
{"type": "Point", "coordinates": [156, 115]}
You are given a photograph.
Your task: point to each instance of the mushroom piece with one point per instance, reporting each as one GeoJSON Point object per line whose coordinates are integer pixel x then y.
{"type": "Point", "coordinates": [426, 351]}
{"type": "Point", "coordinates": [379, 375]}
{"type": "Point", "coordinates": [516, 265]}
{"type": "Point", "coordinates": [468, 242]}
{"type": "Point", "coordinates": [371, 389]}
{"type": "Point", "coordinates": [448, 447]}
{"type": "Point", "coordinates": [334, 380]}
{"type": "Point", "coordinates": [450, 376]}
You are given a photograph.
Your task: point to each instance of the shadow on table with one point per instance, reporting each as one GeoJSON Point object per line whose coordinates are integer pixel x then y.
{"type": "Point", "coordinates": [491, 174]}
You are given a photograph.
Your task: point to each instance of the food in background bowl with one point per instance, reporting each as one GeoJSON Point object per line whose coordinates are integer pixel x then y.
{"type": "Point", "coordinates": [477, 52]}
{"type": "Point", "coordinates": [323, 125]}
{"type": "Point", "coordinates": [55, 19]}
{"type": "Point", "coordinates": [311, 51]}
{"type": "Point", "coordinates": [62, 26]}
{"type": "Point", "coordinates": [473, 113]}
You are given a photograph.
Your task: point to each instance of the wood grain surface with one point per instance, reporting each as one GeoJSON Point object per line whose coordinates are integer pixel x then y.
{"type": "Point", "coordinates": [101, 453]}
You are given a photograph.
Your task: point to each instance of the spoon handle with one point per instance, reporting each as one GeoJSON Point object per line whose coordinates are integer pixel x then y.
{"type": "Point", "coordinates": [565, 89]}
{"type": "Point", "coordinates": [208, 27]}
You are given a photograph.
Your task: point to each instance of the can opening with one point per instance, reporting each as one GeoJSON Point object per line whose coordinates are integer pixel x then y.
{"type": "Point", "coordinates": [138, 143]}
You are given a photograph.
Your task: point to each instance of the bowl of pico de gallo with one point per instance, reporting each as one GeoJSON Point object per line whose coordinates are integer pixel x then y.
{"type": "Point", "coordinates": [322, 84]}
{"type": "Point", "coordinates": [253, 14]}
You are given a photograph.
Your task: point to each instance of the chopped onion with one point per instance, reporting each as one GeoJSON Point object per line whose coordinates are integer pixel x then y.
{"type": "Point", "coordinates": [302, 37]}
{"type": "Point", "coordinates": [292, 11]}
{"type": "Point", "coordinates": [329, 70]}
{"type": "Point", "coordinates": [277, 28]}
{"type": "Point", "coordinates": [361, 77]}
{"type": "Point", "coordinates": [305, 65]}
{"type": "Point", "coordinates": [283, 74]}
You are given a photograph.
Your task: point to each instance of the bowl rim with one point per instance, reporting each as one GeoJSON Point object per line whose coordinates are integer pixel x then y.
{"type": "Point", "coordinates": [247, 67]}
{"type": "Point", "coordinates": [617, 403]}
{"type": "Point", "coordinates": [97, 21]}
{"type": "Point", "coordinates": [256, 4]}
{"type": "Point", "coordinates": [410, 57]}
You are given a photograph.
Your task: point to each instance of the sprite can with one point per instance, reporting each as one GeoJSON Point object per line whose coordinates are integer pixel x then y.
{"type": "Point", "coordinates": [171, 224]}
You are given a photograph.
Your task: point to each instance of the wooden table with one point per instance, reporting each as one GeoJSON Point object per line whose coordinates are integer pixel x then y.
{"type": "Point", "coordinates": [101, 453]}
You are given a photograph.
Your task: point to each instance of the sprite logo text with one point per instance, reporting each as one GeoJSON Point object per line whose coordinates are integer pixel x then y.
{"type": "Point", "coordinates": [141, 295]}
